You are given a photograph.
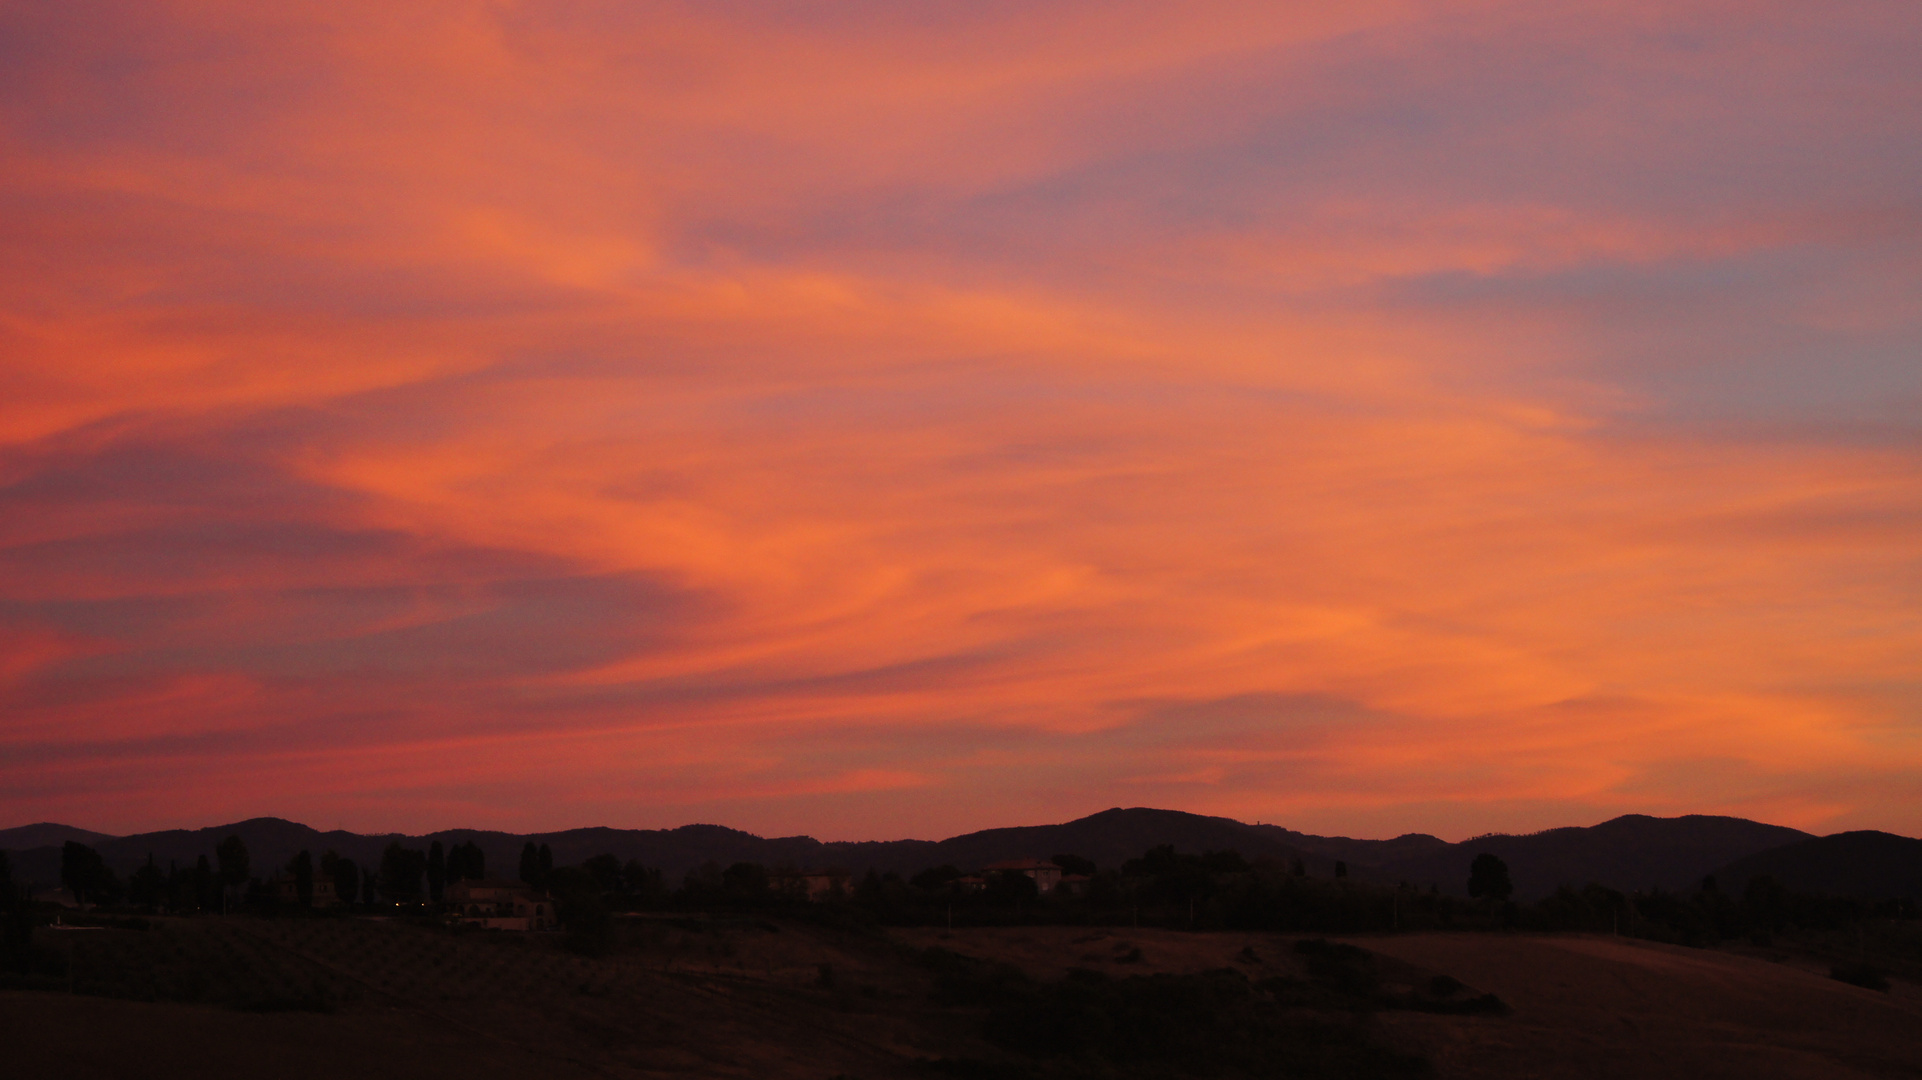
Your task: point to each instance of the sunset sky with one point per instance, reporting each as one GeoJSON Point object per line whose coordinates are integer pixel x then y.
{"type": "Point", "coordinates": [884, 419]}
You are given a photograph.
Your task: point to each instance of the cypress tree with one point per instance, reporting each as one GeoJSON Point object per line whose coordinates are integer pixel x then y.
{"type": "Point", "coordinates": [466, 863]}
{"type": "Point", "coordinates": [400, 872]}
{"type": "Point", "coordinates": [234, 861]}
{"type": "Point", "coordinates": [203, 878]}
{"type": "Point", "coordinates": [303, 870]}
{"type": "Point", "coordinates": [347, 880]}
{"type": "Point", "coordinates": [147, 887]}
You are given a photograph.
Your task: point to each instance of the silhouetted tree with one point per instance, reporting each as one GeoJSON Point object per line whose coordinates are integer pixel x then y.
{"type": "Point", "coordinates": [16, 923]}
{"type": "Point", "coordinates": [204, 884]}
{"type": "Point", "coordinates": [1074, 864]}
{"type": "Point", "coordinates": [302, 867]}
{"type": "Point", "coordinates": [745, 883]}
{"type": "Point", "coordinates": [1297, 867]}
{"type": "Point", "coordinates": [367, 889]}
{"type": "Point", "coordinates": [85, 872]}
{"type": "Point", "coordinates": [606, 871]}
{"type": "Point", "coordinates": [465, 862]}
{"type": "Point", "coordinates": [147, 886]}
{"type": "Point", "coordinates": [577, 901]}
{"type": "Point", "coordinates": [1488, 876]}
{"type": "Point", "coordinates": [530, 863]}
{"type": "Point", "coordinates": [871, 890]}
{"type": "Point", "coordinates": [234, 861]}
{"type": "Point", "coordinates": [701, 885]}
{"type": "Point", "coordinates": [400, 872]}
{"type": "Point", "coordinates": [644, 885]}
{"type": "Point", "coordinates": [1166, 875]}
{"type": "Point", "coordinates": [346, 880]}
{"type": "Point", "coordinates": [546, 863]}
{"type": "Point", "coordinates": [936, 878]}
{"type": "Point", "coordinates": [1341, 868]}
{"type": "Point", "coordinates": [180, 896]}
{"type": "Point", "coordinates": [436, 871]}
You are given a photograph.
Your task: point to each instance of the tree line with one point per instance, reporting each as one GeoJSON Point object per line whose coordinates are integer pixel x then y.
{"type": "Point", "coordinates": [1162, 887]}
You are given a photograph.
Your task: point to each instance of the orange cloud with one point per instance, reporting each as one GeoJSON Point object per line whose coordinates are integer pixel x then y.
{"type": "Point", "coordinates": [1380, 417]}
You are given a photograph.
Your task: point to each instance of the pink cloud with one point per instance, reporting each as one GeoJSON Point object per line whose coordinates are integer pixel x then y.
{"type": "Point", "coordinates": [413, 412]}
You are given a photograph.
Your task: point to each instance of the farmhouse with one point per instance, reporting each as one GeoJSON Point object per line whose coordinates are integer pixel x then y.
{"type": "Point", "coordinates": [287, 891]}
{"type": "Point", "coordinates": [811, 884]}
{"type": "Point", "coordinates": [500, 905]}
{"type": "Point", "coordinates": [1046, 875]}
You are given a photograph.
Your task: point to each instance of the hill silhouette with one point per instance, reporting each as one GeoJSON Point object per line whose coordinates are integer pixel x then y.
{"type": "Point", "coordinates": [1112, 837]}
{"type": "Point", "coordinates": [47, 834]}
{"type": "Point", "coordinates": [1109, 838]}
{"type": "Point", "coordinates": [1629, 853]}
{"type": "Point", "coordinates": [1870, 864]}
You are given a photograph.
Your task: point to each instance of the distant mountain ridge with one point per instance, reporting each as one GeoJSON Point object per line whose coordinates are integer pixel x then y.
{"type": "Point", "coordinates": [1109, 838]}
{"type": "Point", "coordinates": [1864, 863]}
{"type": "Point", "coordinates": [1631, 852]}
{"type": "Point", "coordinates": [47, 834]}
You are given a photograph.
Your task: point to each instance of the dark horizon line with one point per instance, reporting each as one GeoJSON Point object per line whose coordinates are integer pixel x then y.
{"type": "Point", "coordinates": [899, 840]}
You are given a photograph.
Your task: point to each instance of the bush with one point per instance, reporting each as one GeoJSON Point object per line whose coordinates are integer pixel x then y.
{"type": "Point", "coordinates": [1340, 967]}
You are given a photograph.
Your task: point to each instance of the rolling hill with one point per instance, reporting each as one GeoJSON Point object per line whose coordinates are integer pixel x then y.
{"type": "Point", "coordinates": [1871, 864]}
{"type": "Point", "coordinates": [1628, 853]}
{"type": "Point", "coordinates": [1109, 838]}
{"type": "Point", "coordinates": [46, 834]}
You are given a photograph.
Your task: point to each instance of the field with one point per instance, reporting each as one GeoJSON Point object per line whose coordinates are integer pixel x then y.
{"type": "Point", "coordinates": [1601, 1007]}
{"type": "Point", "coordinates": [719, 997]}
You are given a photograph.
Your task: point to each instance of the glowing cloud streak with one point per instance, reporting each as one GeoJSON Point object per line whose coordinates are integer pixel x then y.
{"type": "Point", "coordinates": [1373, 417]}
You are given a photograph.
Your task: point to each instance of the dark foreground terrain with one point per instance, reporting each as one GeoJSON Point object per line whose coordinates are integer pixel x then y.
{"type": "Point", "coordinates": [755, 997]}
